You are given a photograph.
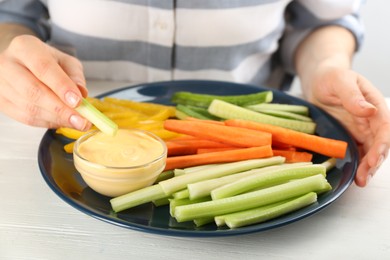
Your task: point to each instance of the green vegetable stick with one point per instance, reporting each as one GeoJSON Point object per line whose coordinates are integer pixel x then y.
{"type": "Point", "coordinates": [251, 199]}
{"type": "Point", "coordinates": [267, 178]}
{"type": "Point", "coordinates": [161, 202]}
{"type": "Point", "coordinates": [220, 220]}
{"type": "Point", "coordinates": [101, 121]}
{"type": "Point", "coordinates": [192, 169]}
{"type": "Point", "coordinates": [226, 110]}
{"type": "Point", "coordinates": [138, 197]}
{"type": "Point", "coordinates": [182, 194]}
{"type": "Point", "coordinates": [204, 188]}
{"type": "Point", "coordinates": [262, 214]}
{"type": "Point", "coordinates": [173, 203]}
{"type": "Point", "coordinates": [204, 100]}
{"type": "Point", "coordinates": [296, 109]}
{"type": "Point", "coordinates": [165, 175]}
{"type": "Point", "coordinates": [330, 164]}
{"type": "Point", "coordinates": [283, 114]}
{"type": "Point", "coordinates": [180, 182]}
{"type": "Point", "coordinates": [197, 112]}
{"type": "Point", "coordinates": [203, 221]}
{"type": "Point", "coordinates": [157, 191]}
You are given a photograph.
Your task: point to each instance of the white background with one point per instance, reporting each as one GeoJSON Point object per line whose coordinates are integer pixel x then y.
{"type": "Point", "coordinates": [372, 60]}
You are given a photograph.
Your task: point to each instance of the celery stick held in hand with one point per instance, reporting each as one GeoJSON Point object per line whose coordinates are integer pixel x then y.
{"type": "Point", "coordinates": [42, 79]}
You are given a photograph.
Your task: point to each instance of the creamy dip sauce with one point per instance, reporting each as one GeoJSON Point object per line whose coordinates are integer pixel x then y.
{"type": "Point", "coordinates": [125, 149]}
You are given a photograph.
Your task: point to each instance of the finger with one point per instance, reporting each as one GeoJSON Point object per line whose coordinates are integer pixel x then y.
{"type": "Point", "coordinates": [376, 148]}
{"type": "Point", "coordinates": [34, 115]}
{"type": "Point", "coordinates": [373, 159]}
{"type": "Point", "coordinates": [74, 69]}
{"type": "Point", "coordinates": [351, 93]}
{"type": "Point", "coordinates": [37, 102]}
{"type": "Point", "coordinates": [10, 109]}
{"type": "Point", "coordinates": [44, 65]}
{"type": "Point", "coordinates": [362, 173]}
{"type": "Point", "coordinates": [379, 126]}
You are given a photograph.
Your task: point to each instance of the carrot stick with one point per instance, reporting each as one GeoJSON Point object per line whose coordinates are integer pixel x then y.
{"type": "Point", "coordinates": [293, 156]}
{"type": "Point", "coordinates": [183, 137]}
{"type": "Point", "coordinates": [218, 149]}
{"type": "Point", "coordinates": [204, 120]}
{"type": "Point", "coordinates": [325, 146]}
{"type": "Point", "coordinates": [174, 149]}
{"type": "Point", "coordinates": [282, 146]}
{"type": "Point", "coordinates": [190, 146]}
{"type": "Point", "coordinates": [219, 133]}
{"type": "Point", "coordinates": [198, 143]}
{"type": "Point", "coordinates": [178, 162]}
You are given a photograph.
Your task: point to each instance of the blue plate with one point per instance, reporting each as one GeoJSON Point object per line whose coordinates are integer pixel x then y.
{"type": "Point", "coordinates": [60, 174]}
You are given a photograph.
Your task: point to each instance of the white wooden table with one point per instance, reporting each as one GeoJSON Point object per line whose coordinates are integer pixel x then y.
{"type": "Point", "coordinates": [36, 224]}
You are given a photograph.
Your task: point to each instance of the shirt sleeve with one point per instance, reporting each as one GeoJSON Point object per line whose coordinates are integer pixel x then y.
{"type": "Point", "coordinates": [303, 16]}
{"type": "Point", "coordinates": [30, 13]}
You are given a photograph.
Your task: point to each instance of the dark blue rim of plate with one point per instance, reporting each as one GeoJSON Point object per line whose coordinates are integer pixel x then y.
{"type": "Point", "coordinates": [276, 223]}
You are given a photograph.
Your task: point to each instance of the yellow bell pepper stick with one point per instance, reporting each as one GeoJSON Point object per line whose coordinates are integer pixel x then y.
{"type": "Point", "coordinates": [69, 147]}
{"type": "Point", "coordinates": [70, 132]}
{"type": "Point", "coordinates": [147, 108]}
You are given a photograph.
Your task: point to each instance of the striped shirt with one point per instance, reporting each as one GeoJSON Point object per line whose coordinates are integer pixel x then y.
{"type": "Point", "coordinates": [158, 40]}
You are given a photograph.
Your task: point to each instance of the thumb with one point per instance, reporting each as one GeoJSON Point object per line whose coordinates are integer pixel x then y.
{"type": "Point", "coordinates": [352, 96]}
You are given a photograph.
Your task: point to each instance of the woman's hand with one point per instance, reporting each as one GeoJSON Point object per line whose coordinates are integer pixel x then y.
{"type": "Point", "coordinates": [41, 86]}
{"type": "Point", "coordinates": [323, 61]}
{"type": "Point", "coordinates": [361, 108]}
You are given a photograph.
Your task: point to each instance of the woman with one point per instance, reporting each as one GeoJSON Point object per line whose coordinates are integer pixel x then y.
{"type": "Point", "coordinates": [47, 50]}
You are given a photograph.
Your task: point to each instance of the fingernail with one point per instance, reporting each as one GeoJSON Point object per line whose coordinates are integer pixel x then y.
{"type": "Point", "coordinates": [370, 174]}
{"type": "Point", "coordinates": [78, 122]}
{"type": "Point", "coordinates": [380, 160]}
{"type": "Point", "coordinates": [72, 99]}
{"type": "Point", "coordinates": [372, 171]}
{"type": "Point", "coordinates": [368, 179]}
{"type": "Point", "coordinates": [382, 151]}
{"type": "Point", "coordinates": [365, 104]}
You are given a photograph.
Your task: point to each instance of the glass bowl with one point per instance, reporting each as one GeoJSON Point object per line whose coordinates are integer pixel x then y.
{"type": "Point", "coordinates": [113, 166]}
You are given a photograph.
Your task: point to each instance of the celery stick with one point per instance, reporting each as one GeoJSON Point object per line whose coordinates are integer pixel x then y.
{"type": "Point", "coordinates": [197, 112]}
{"type": "Point", "coordinates": [173, 203]}
{"type": "Point", "coordinates": [221, 220]}
{"type": "Point", "coordinates": [325, 189]}
{"type": "Point", "coordinates": [267, 178]}
{"type": "Point", "coordinates": [251, 199]}
{"type": "Point", "coordinates": [204, 100]}
{"type": "Point", "coordinates": [226, 110]}
{"type": "Point", "coordinates": [204, 188]}
{"type": "Point", "coordinates": [296, 109]}
{"type": "Point", "coordinates": [180, 182]}
{"type": "Point", "coordinates": [191, 111]}
{"type": "Point", "coordinates": [180, 114]}
{"type": "Point", "coordinates": [161, 202]}
{"type": "Point", "coordinates": [257, 215]}
{"type": "Point", "coordinates": [183, 194]}
{"type": "Point", "coordinates": [137, 197]}
{"type": "Point", "coordinates": [101, 121]}
{"type": "Point", "coordinates": [330, 164]}
{"type": "Point", "coordinates": [283, 114]}
{"type": "Point", "coordinates": [165, 175]}
{"type": "Point", "coordinates": [203, 221]}
{"type": "Point", "coordinates": [179, 172]}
